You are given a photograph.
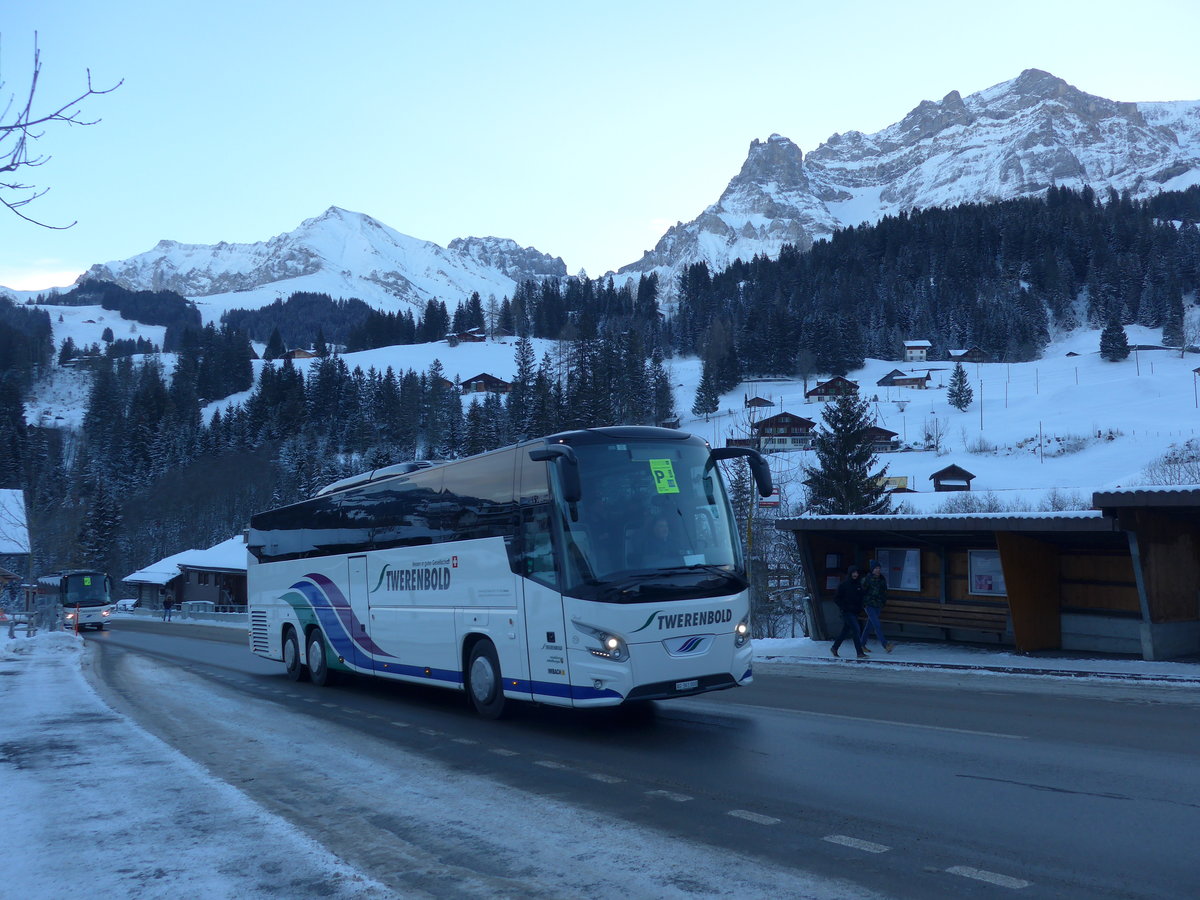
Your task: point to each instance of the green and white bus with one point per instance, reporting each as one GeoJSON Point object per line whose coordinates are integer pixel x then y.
{"type": "Point", "coordinates": [541, 572]}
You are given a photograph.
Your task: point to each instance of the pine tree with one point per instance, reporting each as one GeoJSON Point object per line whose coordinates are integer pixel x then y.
{"type": "Point", "coordinates": [1114, 345]}
{"type": "Point", "coordinates": [708, 401]}
{"type": "Point", "coordinates": [959, 394]}
{"type": "Point", "coordinates": [275, 348]}
{"type": "Point", "coordinates": [519, 402]}
{"type": "Point", "coordinates": [844, 484]}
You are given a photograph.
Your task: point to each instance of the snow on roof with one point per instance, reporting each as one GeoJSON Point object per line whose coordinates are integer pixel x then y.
{"type": "Point", "coordinates": [230, 554]}
{"type": "Point", "coordinates": [1081, 520]}
{"type": "Point", "coordinates": [14, 530]}
{"type": "Point", "coordinates": [1149, 495]}
{"type": "Point", "coordinates": [917, 344]}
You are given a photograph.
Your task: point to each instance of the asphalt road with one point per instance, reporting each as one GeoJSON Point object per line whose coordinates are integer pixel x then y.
{"type": "Point", "coordinates": [907, 783]}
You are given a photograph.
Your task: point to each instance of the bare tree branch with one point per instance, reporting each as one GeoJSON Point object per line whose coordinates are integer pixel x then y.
{"type": "Point", "coordinates": [21, 128]}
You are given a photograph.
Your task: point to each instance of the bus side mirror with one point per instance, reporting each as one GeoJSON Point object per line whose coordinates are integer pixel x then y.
{"type": "Point", "coordinates": [567, 464]}
{"type": "Point", "coordinates": [758, 466]}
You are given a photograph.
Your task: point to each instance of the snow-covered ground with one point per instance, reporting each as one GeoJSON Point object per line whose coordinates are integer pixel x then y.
{"type": "Point", "coordinates": [96, 804]}
{"type": "Point", "coordinates": [144, 821]}
{"type": "Point", "coordinates": [1069, 423]}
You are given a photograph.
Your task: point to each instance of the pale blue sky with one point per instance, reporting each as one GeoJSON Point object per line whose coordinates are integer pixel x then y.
{"type": "Point", "coordinates": [584, 129]}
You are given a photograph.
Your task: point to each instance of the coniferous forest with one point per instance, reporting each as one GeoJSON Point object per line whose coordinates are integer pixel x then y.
{"type": "Point", "coordinates": [148, 475]}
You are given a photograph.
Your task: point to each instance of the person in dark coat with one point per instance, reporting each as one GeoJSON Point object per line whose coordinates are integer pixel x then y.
{"type": "Point", "coordinates": [874, 599]}
{"type": "Point", "coordinates": [850, 601]}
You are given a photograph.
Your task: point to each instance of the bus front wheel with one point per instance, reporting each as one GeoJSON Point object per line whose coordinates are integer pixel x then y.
{"type": "Point", "coordinates": [484, 682]}
{"type": "Point", "coordinates": [291, 656]}
{"type": "Point", "coordinates": [318, 665]}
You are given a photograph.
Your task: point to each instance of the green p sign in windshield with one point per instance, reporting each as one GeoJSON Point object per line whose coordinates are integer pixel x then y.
{"type": "Point", "coordinates": [664, 476]}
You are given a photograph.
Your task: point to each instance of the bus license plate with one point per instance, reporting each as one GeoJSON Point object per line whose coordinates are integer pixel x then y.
{"type": "Point", "coordinates": [687, 685]}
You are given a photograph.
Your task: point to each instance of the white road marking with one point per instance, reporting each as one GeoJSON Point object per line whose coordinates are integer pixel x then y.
{"type": "Point", "coordinates": [432, 732]}
{"type": "Point", "coordinates": [549, 764]}
{"type": "Point", "coordinates": [401, 724]}
{"type": "Point", "coordinates": [330, 705]}
{"type": "Point", "coordinates": [990, 877]}
{"type": "Point", "coordinates": [465, 741]}
{"type": "Point", "coordinates": [846, 841]}
{"type": "Point", "coordinates": [500, 751]}
{"type": "Point", "coordinates": [607, 779]}
{"type": "Point", "coordinates": [669, 795]}
{"type": "Point", "coordinates": [757, 818]}
{"type": "Point", "coordinates": [805, 712]}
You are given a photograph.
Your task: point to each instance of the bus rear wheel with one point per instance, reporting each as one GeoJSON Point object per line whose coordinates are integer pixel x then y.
{"type": "Point", "coordinates": [484, 683]}
{"type": "Point", "coordinates": [291, 656]}
{"type": "Point", "coordinates": [318, 664]}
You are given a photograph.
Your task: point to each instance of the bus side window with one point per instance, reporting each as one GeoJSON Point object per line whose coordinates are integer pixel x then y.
{"type": "Point", "coordinates": [536, 557]}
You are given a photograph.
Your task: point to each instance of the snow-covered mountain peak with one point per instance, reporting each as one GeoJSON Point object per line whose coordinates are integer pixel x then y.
{"type": "Point", "coordinates": [341, 253]}
{"type": "Point", "coordinates": [1014, 139]}
{"type": "Point", "coordinates": [775, 160]}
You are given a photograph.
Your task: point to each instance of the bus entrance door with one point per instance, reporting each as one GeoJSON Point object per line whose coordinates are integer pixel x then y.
{"type": "Point", "coordinates": [547, 641]}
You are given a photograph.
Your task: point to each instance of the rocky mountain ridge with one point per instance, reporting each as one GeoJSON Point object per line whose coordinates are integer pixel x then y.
{"type": "Point", "coordinates": [342, 253]}
{"type": "Point", "coordinates": [1015, 139]}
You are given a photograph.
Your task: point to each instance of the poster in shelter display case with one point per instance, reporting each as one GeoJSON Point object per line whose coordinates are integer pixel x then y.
{"type": "Point", "coordinates": [901, 568]}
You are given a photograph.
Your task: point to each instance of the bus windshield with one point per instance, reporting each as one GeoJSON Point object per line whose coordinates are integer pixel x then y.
{"type": "Point", "coordinates": [90, 589]}
{"type": "Point", "coordinates": [653, 522]}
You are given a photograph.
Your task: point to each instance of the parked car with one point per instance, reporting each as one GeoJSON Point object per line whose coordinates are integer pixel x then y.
{"type": "Point", "coordinates": [126, 605]}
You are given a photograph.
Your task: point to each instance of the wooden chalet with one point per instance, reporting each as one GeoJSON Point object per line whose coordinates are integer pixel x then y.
{"type": "Point", "coordinates": [920, 382]}
{"type": "Point", "coordinates": [890, 378]}
{"type": "Point", "coordinates": [882, 440]}
{"type": "Point", "coordinates": [471, 336]}
{"type": "Point", "coordinates": [835, 387]}
{"type": "Point", "coordinates": [1118, 578]}
{"type": "Point", "coordinates": [783, 431]}
{"type": "Point", "coordinates": [969, 355]}
{"type": "Point", "coordinates": [483, 383]}
{"type": "Point", "coordinates": [756, 402]}
{"type": "Point", "coordinates": [951, 478]}
{"type": "Point", "coordinates": [211, 580]}
{"type": "Point", "coordinates": [917, 351]}
{"type": "Point", "coordinates": [301, 353]}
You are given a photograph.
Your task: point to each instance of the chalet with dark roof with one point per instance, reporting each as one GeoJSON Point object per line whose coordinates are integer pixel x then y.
{"type": "Point", "coordinates": [969, 355]}
{"type": "Point", "coordinates": [784, 431]}
{"type": "Point", "coordinates": [483, 383]}
{"type": "Point", "coordinates": [830, 390]}
{"type": "Point", "coordinates": [882, 440]}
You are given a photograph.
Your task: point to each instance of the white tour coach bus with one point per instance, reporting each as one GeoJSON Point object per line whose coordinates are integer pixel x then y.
{"type": "Point", "coordinates": [589, 568]}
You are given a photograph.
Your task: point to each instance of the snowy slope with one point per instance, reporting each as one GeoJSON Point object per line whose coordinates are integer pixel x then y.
{"type": "Point", "coordinates": [1100, 423]}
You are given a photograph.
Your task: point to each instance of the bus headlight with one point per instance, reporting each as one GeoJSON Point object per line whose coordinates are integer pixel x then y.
{"type": "Point", "coordinates": [106, 612]}
{"type": "Point", "coordinates": [611, 646]}
{"type": "Point", "coordinates": [741, 633]}
{"type": "Point", "coordinates": [68, 617]}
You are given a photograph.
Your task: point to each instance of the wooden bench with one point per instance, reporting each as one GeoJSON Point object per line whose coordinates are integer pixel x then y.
{"type": "Point", "coordinates": [961, 616]}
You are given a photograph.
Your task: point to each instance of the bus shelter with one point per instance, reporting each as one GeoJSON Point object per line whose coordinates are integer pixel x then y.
{"type": "Point", "coordinates": [1123, 577]}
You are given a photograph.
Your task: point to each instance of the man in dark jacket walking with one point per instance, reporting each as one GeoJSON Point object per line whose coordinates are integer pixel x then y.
{"type": "Point", "coordinates": [850, 601]}
{"type": "Point", "coordinates": [874, 599]}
